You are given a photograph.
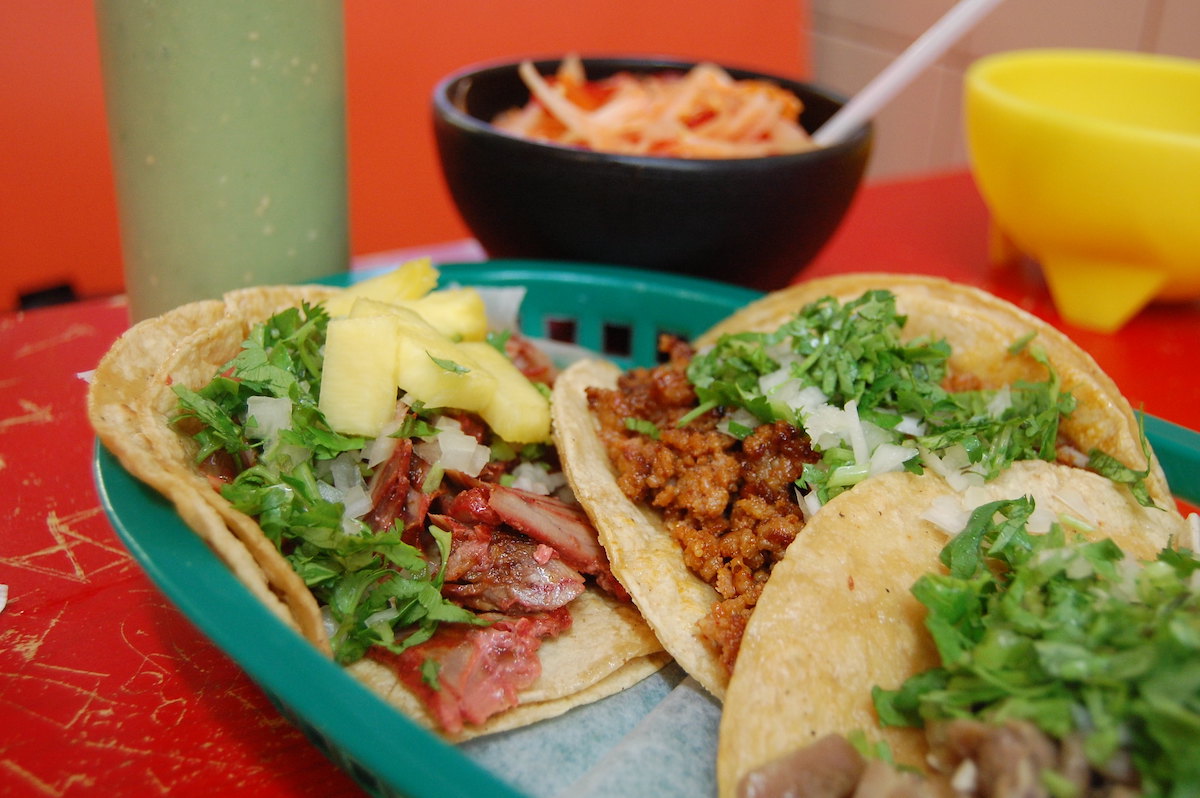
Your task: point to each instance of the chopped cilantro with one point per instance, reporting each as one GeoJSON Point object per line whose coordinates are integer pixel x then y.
{"type": "Point", "coordinates": [498, 340]}
{"type": "Point", "coordinates": [379, 589]}
{"type": "Point", "coordinates": [1069, 635]}
{"type": "Point", "coordinates": [430, 668]}
{"type": "Point", "coordinates": [850, 357]}
{"type": "Point", "coordinates": [449, 365]}
{"type": "Point", "coordinates": [643, 426]}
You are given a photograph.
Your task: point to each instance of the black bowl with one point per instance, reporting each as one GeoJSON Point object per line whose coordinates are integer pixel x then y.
{"type": "Point", "coordinates": [750, 221]}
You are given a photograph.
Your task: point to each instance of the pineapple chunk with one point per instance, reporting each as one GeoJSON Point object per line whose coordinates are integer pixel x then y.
{"type": "Point", "coordinates": [458, 313]}
{"type": "Point", "coordinates": [430, 367]}
{"type": "Point", "coordinates": [517, 411]}
{"type": "Point", "coordinates": [358, 385]}
{"type": "Point", "coordinates": [365, 307]}
{"type": "Point", "coordinates": [409, 281]}
{"type": "Point", "coordinates": [437, 371]}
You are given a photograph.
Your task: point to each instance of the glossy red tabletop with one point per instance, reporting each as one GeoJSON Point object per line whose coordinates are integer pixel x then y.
{"type": "Point", "coordinates": [106, 689]}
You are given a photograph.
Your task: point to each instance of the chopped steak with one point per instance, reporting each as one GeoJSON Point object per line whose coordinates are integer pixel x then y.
{"type": "Point", "coordinates": [982, 760]}
{"type": "Point", "coordinates": [729, 503]}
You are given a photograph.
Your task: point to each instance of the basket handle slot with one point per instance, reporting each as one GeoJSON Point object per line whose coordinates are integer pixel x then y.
{"type": "Point", "coordinates": [562, 328]}
{"type": "Point", "coordinates": [617, 339]}
{"type": "Point", "coordinates": [625, 341]}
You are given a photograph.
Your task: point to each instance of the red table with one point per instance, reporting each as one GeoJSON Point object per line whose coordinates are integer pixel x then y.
{"type": "Point", "coordinates": [106, 689]}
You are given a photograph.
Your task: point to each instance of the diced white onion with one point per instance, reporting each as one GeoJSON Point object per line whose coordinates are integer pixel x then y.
{"type": "Point", "coordinates": [890, 457]}
{"type": "Point", "coordinates": [948, 514]}
{"type": "Point", "coordinates": [329, 493]}
{"type": "Point", "coordinates": [386, 615]}
{"type": "Point", "coordinates": [327, 621]}
{"type": "Point", "coordinates": [910, 425]}
{"type": "Point", "coordinates": [535, 479]}
{"type": "Point", "coordinates": [790, 395]}
{"type": "Point", "coordinates": [344, 471]}
{"type": "Point", "coordinates": [777, 379]}
{"type": "Point", "coordinates": [453, 449]}
{"type": "Point", "coordinates": [270, 415]}
{"type": "Point", "coordinates": [953, 466]}
{"type": "Point", "coordinates": [809, 503]}
{"type": "Point", "coordinates": [877, 436]}
{"type": "Point", "coordinates": [741, 417]}
{"type": "Point", "coordinates": [826, 426]}
{"type": "Point", "coordinates": [357, 502]}
{"type": "Point", "coordinates": [1000, 401]}
{"type": "Point", "coordinates": [380, 449]}
{"type": "Point", "coordinates": [1128, 569]}
{"type": "Point", "coordinates": [1079, 567]}
{"type": "Point", "coordinates": [857, 438]}
{"type": "Point", "coordinates": [290, 455]}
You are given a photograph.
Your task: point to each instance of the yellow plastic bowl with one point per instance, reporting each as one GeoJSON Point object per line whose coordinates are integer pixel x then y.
{"type": "Point", "coordinates": [1089, 162]}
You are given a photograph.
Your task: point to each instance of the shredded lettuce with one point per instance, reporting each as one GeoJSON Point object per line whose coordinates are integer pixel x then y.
{"type": "Point", "coordinates": [1069, 635]}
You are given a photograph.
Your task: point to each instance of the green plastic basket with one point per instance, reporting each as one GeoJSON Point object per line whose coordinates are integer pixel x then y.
{"type": "Point", "coordinates": [615, 311]}
{"type": "Point", "coordinates": [618, 312]}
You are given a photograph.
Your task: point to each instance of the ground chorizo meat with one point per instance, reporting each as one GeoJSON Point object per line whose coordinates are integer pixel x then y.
{"type": "Point", "coordinates": [729, 503]}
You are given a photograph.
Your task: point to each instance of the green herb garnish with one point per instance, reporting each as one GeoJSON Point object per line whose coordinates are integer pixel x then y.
{"type": "Point", "coordinates": [449, 365]}
{"type": "Point", "coordinates": [1069, 635]}
{"type": "Point", "coordinates": [882, 390]}
{"type": "Point", "coordinates": [643, 426]}
{"type": "Point", "coordinates": [379, 589]}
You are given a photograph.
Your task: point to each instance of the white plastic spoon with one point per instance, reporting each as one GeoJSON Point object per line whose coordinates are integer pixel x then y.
{"type": "Point", "coordinates": [888, 83]}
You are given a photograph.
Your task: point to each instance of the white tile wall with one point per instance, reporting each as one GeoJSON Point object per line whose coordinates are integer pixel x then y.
{"type": "Point", "coordinates": [921, 130]}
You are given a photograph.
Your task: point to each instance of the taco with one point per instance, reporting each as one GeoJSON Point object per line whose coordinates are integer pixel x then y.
{"type": "Point", "coordinates": [437, 560]}
{"type": "Point", "coordinates": [1026, 648]}
{"type": "Point", "coordinates": [698, 473]}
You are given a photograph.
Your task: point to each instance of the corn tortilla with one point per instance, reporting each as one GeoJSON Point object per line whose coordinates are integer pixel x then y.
{"type": "Point", "coordinates": [130, 403]}
{"type": "Point", "coordinates": [980, 329]}
{"type": "Point", "coordinates": [800, 675]}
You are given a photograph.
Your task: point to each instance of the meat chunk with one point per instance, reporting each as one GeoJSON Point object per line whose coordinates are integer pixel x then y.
{"type": "Point", "coordinates": [831, 768]}
{"type": "Point", "coordinates": [730, 504]}
{"type": "Point", "coordinates": [396, 495]}
{"type": "Point", "coordinates": [465, 674]}
{"type": "Point", "coordinates": [492, 570]}
{"type": "Point", "coordinates": [1006, 760]}
{"type": "Point", "coordinates": [563, 527]}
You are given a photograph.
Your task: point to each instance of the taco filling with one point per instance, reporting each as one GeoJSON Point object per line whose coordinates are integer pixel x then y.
{"type": "Point", "coordinates": [1065, 666]}
{"type": "Point", "coordinates": [738, 443]}
{"type": "Point", "coordinates": [435, 547]}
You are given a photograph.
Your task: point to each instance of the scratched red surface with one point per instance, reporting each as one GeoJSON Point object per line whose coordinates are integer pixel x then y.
{"type": "Point", "coordinates": [106, 689]}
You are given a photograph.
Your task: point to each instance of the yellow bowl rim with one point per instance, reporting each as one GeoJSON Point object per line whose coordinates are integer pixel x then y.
{"type": "Point", "coordinates": [977, 81]}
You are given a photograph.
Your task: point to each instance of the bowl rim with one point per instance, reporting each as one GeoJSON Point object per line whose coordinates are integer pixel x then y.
{"type": "Point", "coordinates": [446, 110]}
{"type": "Point", "coordinates": [979, 81]}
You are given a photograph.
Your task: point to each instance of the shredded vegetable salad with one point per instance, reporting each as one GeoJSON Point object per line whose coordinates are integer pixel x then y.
{"type": "Point", "coordinates": [704, 113]}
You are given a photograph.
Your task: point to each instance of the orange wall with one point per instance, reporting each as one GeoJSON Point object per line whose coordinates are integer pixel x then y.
{"type": "Point", "coordinates": [57, 211]}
